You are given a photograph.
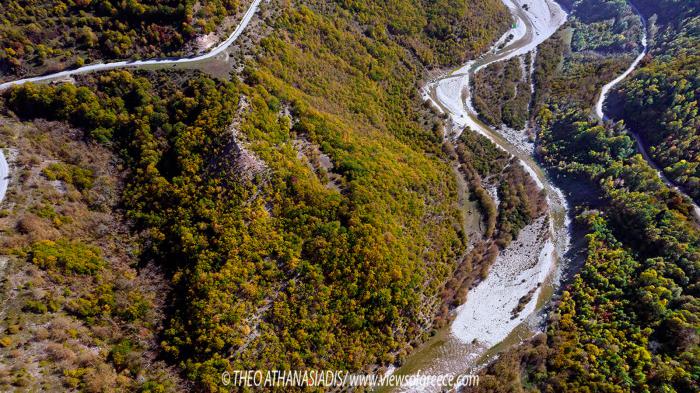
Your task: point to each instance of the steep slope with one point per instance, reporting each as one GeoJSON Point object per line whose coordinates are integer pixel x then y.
{"type": "Point", "coordinates": [627, 322]}
{"type": "Point", "coordinates": [41, 36]}
{"type": "Point", "coordinates": [304, 211]}
{"type": "Point", "coordinates": [660, 102]}
{"type": "Point", "coordinates": [75, 311]}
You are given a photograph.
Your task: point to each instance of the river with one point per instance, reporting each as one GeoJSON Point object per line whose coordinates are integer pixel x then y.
{"type": "Point", "coordinates": [533, 261]}
{"type": "Point", "coordinates": [483, 324]}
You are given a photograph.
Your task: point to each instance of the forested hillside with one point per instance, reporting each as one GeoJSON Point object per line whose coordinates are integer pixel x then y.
{"type": "Point", "coordinates": [76, 312]}
{"type": "Point", "coordinates": [41, 36]}
{"type": "Point", "coordinates": [628, 321]}
{"type": "Point", "coordinates": [49, 35]}
{"type": "Point", "coordinates": [563, 66]}
{"type": "Point", "coordinates": [323, 274]}
{"type": "Point", "coordinates": [660, 103]}
{"type": "Point", "coordinates": [668, 11]}
{"type": "Point", "coordinates": [442, 32]}
{"type": "Point", "coordinates": [303, 212]}
{"type": "Point", "coordinates": [604, 26]}
{"type": "Point", "coordinates": [594, 46]}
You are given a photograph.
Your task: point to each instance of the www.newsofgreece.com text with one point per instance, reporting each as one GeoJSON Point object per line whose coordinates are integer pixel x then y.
{"type": "Point", "coordinates": [339, 378]}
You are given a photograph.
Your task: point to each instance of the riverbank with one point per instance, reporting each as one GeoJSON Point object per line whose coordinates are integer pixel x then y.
{"type": "Point", "coordinates": [493, 308]}
{"type": "Point", "coordinates": [524, 275]}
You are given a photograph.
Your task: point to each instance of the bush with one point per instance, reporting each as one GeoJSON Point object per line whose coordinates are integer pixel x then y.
{"type": "Point", "coordinates": [80, 178]}
{"type": "Point", "coordinates": [5, 342]}
{"type": "Point", "coordinates": [35, 306]}
{"type": "Point", "coordinates": [67, 256]}
{"type": "Point", "coordinates": [121, 355]}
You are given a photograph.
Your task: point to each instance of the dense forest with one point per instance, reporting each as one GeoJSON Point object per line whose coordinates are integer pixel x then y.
{"type": "Point", "coordinates": [49, 35]}
{"type": "Point", "coordinates": [294, 246]}
{"type": "Point", "coordinates": [561, 68]}
{"type": "Point", "coordinates": [604, 26]}
{"type": "Point", "coordinates": [660, 103]}
{"type": "Point", "coordinates": [502, 92]}
{"type": "Point", "coordinates": [597, 42]}
{"type": "Point", "coordinates": [628, 321]}
{"type": "Point", "coordinates": [166, 226]}
{"type": "Point", "coordinates": [304, 213]}
{"type": "Point", "coordinates": [438, 32]}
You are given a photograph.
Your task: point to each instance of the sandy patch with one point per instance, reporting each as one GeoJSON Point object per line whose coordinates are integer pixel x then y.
{"type": "Point", "coordinates": [487, 315]}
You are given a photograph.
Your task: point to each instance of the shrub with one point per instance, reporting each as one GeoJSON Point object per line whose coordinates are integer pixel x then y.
{"type": "Point", "coordinates": [121, 355]}
{"type": "Point", "coordinates": [80, 178]}
{"type": "Point", "coordinates": [68, 256]}
{"type": "Point", "coordinates": [5, 342]}
{"type": "Point", "coordinates": [35, 306]}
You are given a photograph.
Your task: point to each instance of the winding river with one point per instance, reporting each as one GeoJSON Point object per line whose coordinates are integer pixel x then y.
{"type": "Point", "coordinates": [486, 316]}
{"type": "Point", "coordinates": [532, 263]}
{"type": "Point", "coordinates": [483, 324]}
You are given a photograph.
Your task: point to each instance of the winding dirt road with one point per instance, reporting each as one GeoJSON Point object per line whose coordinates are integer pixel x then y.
{"type": "Point", "coordinates": [600, 113]}
{"type": "Point", "coordinates": [219, 49]}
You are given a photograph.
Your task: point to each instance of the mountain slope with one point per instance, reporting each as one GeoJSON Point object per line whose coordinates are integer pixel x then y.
{"type": "Point", "coordinates": [304, 211]}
